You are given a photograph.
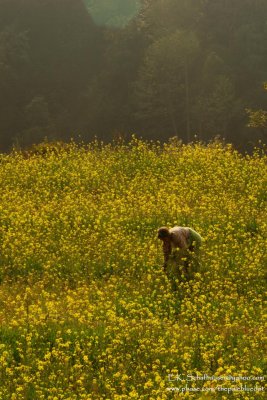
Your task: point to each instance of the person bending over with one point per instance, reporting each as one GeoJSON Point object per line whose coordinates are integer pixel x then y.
{"type": "Point", "coordinates": [178, 237]}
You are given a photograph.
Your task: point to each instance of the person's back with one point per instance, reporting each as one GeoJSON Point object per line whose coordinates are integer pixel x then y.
{"type": "Point", "coordinates": [178, 237]}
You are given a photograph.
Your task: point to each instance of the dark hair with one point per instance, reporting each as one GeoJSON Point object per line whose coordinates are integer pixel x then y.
{"type": "Point", "coordinates": [163, 232]}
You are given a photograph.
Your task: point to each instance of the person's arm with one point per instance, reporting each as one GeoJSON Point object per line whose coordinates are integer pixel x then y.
{"type": "Point", "coordinates": [167, 249]}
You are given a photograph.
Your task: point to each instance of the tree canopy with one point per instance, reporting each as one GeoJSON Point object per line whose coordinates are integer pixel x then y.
{"type": "Point", "coordinates": [157, 68]}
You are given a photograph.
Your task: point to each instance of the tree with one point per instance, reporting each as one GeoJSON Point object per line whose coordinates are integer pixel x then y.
{"type": "Point", "coordinates": [50, 51]}
{"type": "Point", "coordinates": [215, 102]}
{"type": "Point", "coordinates": [38, 121]}
{"type": "Point", "coordinates": [14, 68]}
{"type": "Point", "coordinates": [162, 91]}
{"type": "Point", "coordinates": [112, 13]}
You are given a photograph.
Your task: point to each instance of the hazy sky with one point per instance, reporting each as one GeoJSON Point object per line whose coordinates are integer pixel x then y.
{"type": "Point", "coordinates": [112, 12]}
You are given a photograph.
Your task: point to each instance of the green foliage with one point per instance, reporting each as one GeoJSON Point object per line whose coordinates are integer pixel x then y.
{"type": "Point", "coordinates": [113, 13]}
{"type": "Point", "coordinates": [258, 118]}
{"type": "Point", "coordinates": [113, 67]}
{"type": "Point", "coordinates": [164, 80]}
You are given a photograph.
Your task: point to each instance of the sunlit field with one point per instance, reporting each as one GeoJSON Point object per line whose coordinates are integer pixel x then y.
{"type": "Point", "coordinates": [86, 309]}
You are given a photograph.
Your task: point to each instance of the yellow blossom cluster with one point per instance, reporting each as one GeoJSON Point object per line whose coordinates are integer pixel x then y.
{"type": "Point", "coordinates": [87, 311]}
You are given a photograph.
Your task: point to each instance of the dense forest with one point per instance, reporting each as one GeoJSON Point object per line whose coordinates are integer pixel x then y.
{"type": "Point", "coordinates": [109, 68]}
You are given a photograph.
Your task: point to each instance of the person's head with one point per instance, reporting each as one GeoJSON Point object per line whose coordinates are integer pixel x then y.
{"type": "Point", "coordinates": [163, 233]}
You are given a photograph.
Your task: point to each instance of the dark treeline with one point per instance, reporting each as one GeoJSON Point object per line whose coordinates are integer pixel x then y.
{"type": "Point", "coordinates": [179, 67]}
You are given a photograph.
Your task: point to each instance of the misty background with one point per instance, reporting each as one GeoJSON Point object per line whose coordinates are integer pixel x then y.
{"type": "Point", "coordinates": [111, 68]}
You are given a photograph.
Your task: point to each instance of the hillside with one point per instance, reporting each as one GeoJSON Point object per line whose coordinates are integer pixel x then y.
{"type": "Point", "coordinates": [86, 309]}
{"type": "Point", "coordinates": [159, 68]}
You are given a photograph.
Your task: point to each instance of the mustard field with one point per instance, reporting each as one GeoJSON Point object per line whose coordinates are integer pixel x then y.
{"type": "Point", "coordinates": [87, 311]}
